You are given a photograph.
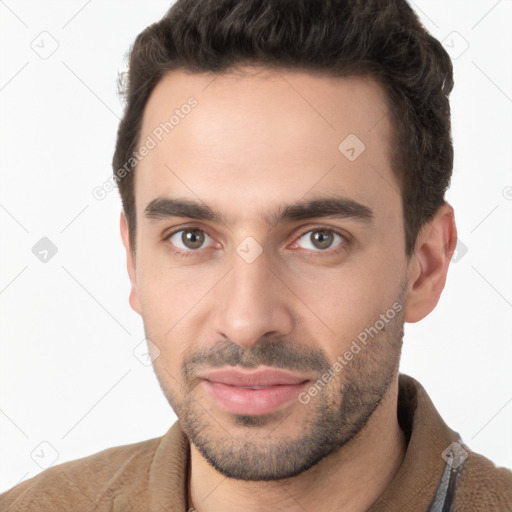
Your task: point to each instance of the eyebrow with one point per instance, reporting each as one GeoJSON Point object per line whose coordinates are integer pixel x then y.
{"type": "Point", "coordinates": [332, 207]}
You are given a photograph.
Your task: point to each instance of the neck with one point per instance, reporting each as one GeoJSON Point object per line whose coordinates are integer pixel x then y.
{"type": "Point", "coordinates": [349, 480]}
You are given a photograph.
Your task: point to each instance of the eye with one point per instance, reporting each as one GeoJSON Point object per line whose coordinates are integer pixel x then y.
{"type": "Point", "coordinates": [320, 239]}
{"type": "Point", "coordinates": [189, 239]}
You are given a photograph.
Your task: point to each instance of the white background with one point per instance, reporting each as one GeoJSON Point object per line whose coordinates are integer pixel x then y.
{"type": "Point", "coordinates": [69, 378]}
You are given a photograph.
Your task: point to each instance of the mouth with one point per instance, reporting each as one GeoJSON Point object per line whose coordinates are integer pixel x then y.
{"type": "Point", "coordinates": [254, 392]}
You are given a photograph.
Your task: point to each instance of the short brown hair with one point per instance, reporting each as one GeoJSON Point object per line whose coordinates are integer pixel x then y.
{"type": "Point", "coordinates": [381, 38]}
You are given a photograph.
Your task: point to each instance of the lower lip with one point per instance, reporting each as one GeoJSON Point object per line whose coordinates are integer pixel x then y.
{"type": "Point", "coordinates": [239, 400]}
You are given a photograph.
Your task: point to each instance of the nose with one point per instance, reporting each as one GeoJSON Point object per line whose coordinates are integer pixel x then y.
{"type": "Point", "coordinates": [251, 303]}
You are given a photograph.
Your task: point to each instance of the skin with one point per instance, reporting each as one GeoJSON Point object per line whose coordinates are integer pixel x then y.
{"type": "Point", "coordinates": [256, 140]}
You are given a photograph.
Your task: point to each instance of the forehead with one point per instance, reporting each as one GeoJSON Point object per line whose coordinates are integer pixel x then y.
{"type": "Point", "coordinates": [261, 135]}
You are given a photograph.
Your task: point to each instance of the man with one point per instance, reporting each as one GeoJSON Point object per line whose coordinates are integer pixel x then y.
{"type": "Point", "coordinates": [282, 166]}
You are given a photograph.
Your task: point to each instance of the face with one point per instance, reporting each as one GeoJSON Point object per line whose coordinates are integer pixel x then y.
{"type": "Point", "coordinates": [270, 267]}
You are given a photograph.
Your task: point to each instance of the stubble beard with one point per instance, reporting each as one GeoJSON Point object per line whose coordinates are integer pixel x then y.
{"type": "Point", "coordinates": [262, 448]}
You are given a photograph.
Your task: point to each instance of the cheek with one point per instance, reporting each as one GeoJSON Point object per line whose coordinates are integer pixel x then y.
{"type": "Point", "coordinates": [173, 308]}
{"type": "Point", "coordinates": [166, 293]}
{"type": "Point", "coordinates": [348, 300]}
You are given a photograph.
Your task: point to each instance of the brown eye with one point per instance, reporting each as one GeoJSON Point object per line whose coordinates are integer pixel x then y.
{"type": "Point", "coordinates": [189, 239]}
{"type": "Point", "coordinates": [320, 239]}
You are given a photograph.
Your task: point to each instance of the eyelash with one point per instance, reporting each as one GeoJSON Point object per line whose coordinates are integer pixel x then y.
{"type": "Point", "coordinates": [341, 247]}
{"type": "Point", "coordinates": [312, 254]}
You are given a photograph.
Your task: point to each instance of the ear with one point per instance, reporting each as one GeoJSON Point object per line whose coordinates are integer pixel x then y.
{"type": "Point", "coordinates": [130, 263]}
{"type": "Point", "coordinates": [429, 263]}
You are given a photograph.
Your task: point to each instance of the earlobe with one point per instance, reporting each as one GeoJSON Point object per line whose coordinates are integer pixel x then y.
{"type": "Point", "coordinates": [130, 264]}
{"type": "Point", "coordinates": [429, 264]}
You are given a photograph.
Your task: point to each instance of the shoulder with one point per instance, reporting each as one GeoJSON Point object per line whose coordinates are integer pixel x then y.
{"type": "Point", "coordinates": [86, 483]}
{"type": "Point", "coordinates": [483, 486]}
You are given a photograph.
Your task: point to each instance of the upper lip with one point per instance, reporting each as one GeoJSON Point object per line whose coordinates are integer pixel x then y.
{"type": "Point", "coordinates": [257, 377]}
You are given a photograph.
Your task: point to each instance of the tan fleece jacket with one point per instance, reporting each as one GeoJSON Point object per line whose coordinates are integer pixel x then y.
{"type": "Point", "coordinates": [152, 475]}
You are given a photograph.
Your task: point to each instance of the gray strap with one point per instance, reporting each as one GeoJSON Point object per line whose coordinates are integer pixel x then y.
{"type": "Point", "coordinates": [444, 500]}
